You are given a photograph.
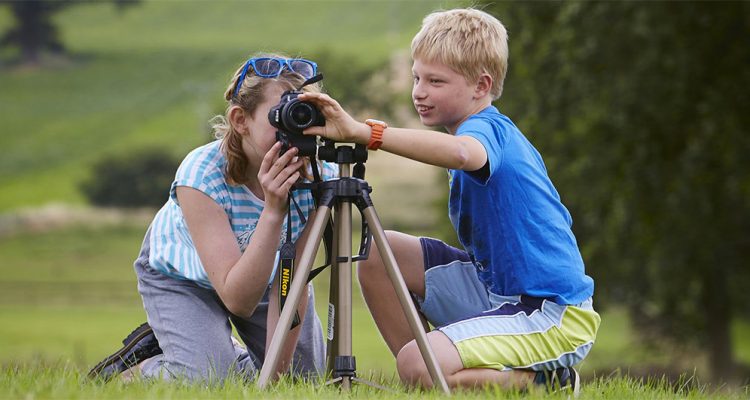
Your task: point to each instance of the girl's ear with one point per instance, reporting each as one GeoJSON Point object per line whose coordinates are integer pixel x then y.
{"type": "Point", "coordinates": [483, 86]}
{"type": "Point", "coordinates": [238, 119]}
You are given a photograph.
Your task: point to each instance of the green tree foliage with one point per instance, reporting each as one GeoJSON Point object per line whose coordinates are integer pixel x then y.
{"type": "Point", "coordinates": [35, 31]}
{"type": "Point", "coordinates": [140, 179]}
{"type": "Point", "coordinates": [641, 113]}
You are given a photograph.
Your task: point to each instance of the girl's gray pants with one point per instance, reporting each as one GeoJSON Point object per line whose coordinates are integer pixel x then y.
{"type": "Point", "coordinates": [194, 331]}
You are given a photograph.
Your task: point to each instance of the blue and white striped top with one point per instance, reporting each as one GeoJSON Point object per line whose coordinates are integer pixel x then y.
{"type": "Point", "coordinates": [172, 250]}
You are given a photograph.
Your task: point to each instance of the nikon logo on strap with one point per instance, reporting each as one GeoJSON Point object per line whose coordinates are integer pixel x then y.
{"type": "Point", "coordinates": [286, 271]}
{"type": "Point", "coordinates": [286, 274]}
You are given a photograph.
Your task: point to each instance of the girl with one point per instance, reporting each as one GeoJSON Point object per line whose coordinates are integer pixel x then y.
{"type": "Point", "coordinates": [209, 256]}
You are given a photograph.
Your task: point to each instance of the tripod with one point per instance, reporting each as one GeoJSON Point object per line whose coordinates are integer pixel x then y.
{"type": "Point", "coordinates": [339, 194]}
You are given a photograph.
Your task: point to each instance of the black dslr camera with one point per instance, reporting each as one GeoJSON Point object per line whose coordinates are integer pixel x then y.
{"type": "Point", "coordinates": [291, 116]}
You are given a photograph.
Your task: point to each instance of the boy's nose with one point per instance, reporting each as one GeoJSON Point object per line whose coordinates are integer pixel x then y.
{"type": "Point", "coordinates": [417, 93]}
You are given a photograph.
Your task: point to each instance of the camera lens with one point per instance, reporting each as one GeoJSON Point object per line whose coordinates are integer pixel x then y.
{"type": "Point", "coordinates": [301, 115]}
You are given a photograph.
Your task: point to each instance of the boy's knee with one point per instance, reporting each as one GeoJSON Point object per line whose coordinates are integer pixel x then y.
{"type": "Point", "coordinates": [372, 267]}
{"type": "Point", "coordinates": [411, 367]}
{"type": "Point", "coordinates": [374, 263]}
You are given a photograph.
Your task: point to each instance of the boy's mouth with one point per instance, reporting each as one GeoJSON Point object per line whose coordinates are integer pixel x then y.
{"type": "Point", "coordinates": [422, 108]}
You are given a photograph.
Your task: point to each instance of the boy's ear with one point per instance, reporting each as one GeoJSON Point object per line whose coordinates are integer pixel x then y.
{"type": "Point", "coordinates": [237, 119]}
{"type": "Point", "coordinates": [483, 86]}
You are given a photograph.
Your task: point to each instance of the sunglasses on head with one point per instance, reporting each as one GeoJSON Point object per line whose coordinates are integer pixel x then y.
{"type": "Point", "coordinates": [271, 67]}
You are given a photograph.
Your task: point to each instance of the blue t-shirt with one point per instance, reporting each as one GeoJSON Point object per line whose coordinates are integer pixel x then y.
{"type": "Point", "coordinates": [512, 222]}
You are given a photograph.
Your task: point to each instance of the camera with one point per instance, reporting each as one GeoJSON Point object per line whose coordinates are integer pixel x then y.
{"type": "Point", "coordinates": [291, 116]}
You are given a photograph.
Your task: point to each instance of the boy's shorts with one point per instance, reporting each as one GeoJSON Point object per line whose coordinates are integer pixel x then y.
{"type": "Point", "coordinates": [500, 332]}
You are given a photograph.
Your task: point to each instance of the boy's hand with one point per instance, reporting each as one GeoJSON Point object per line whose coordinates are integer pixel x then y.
{"type": "Point", "coordinates": [340, 126]}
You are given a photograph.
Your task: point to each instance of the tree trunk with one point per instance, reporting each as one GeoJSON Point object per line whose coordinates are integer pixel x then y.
{"type": "Point", "coordinates": [718, 310]}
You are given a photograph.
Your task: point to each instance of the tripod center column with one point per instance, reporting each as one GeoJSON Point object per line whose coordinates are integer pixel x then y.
{"type": "Point", "coordinates": [344, 261]}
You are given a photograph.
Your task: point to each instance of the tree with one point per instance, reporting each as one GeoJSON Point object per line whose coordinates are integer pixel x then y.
{"type": "Point", "coordinates": [640, 110]}
{"type": "Point", "coordinates": [34, 31]}
{"type": "Point", "coordinates": [138, 179]}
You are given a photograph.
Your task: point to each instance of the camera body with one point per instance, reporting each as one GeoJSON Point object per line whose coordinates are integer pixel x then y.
{"type": "Point", "coordinates": [290, 117]}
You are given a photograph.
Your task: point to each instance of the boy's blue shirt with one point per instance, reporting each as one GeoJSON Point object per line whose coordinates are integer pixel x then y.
{"type": "Point", "coordinates": [512, 223]}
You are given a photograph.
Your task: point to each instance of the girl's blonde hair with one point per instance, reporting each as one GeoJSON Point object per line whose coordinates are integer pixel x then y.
{"type": "Point", "coordinates": [249, 96]}
{"type": "Point", "coordinates": [469, 41]}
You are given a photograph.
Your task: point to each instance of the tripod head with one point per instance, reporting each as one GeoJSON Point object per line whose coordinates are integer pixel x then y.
{"type": "Point", "coordinates": [350, 187]}
{"type": "Point", "coordinates": [345, 154]}
{"type": "Point", "coordinates": [342, 154]}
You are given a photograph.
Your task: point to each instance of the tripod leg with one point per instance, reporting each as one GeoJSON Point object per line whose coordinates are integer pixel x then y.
{"type": "Point", "coordinates": [403, 296]}
{"type": "Point", "coordinates": [298, 283]}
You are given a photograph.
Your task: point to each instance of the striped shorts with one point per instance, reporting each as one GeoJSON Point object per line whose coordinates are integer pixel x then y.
{"type": "Point", "coordinates": [501, 332]}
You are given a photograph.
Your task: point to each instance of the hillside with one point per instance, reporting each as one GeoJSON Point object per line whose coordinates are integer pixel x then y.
{"type": "Point", "coordinates": [153, 74]}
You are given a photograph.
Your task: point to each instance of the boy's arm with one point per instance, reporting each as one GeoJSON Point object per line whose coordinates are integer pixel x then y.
{"type": "Point", "coordinates": [435, 148]}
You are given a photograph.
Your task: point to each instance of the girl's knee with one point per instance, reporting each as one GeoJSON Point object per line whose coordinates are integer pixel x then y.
{"type": "Point", "coordinates": [196, 366]}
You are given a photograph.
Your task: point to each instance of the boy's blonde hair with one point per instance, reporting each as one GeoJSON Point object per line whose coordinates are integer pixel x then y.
{"type": "Point", "coordinates": [249, 96]}
{"type": "Point", "coordinates": [469, 41]}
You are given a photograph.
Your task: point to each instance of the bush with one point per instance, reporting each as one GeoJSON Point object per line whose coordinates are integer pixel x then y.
{"type": "Point", "coordinates": [140, 179]}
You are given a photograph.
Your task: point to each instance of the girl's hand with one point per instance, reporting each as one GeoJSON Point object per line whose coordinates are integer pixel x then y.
{"type": "Point", "coordinates": [340, 126]}
{"type": "Point", "coordinates": [277, 174]}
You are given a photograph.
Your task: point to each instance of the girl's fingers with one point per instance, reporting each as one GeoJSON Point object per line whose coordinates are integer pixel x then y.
{"type": "Point", "coordinates": [282, 161]}
{"type": "Point", "coordinates": [269, 159]}
{"type": "Point", "coordinates": [289, 182]}
{"type": "Point", "coordinates": [285, 173]}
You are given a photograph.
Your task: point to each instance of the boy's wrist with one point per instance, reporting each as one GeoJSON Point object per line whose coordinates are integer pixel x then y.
{"type": "Point", "coordinates": [377, 129]}
{"type": "Point", "coordinates": [363, 136]}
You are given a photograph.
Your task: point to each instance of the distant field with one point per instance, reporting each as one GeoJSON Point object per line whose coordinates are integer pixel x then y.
{"type": "Point", "coordinates": [153, 74]}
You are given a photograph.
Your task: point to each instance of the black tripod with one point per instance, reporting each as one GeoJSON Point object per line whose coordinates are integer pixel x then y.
{"type": "Point", "coordinates": [339, 194]}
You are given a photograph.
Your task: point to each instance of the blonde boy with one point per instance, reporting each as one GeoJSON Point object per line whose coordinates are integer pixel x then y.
{"type": "Point", "coordinates": [513, 307]}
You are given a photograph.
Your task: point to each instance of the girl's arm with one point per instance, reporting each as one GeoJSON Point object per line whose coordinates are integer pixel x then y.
{"type": "Point", "coordinates": [240, 278]}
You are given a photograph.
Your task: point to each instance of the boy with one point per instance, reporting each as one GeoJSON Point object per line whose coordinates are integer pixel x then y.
{"type": "Point", "coordinates": [514, 307]}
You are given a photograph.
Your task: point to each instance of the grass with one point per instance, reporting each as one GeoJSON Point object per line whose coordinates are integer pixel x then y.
{"type": "Point", "coordinates": [64, 381]}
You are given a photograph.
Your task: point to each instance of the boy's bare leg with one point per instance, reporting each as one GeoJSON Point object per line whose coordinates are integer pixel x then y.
{"type": "Point", "coordinates": [413, 371]}
{"type": "Point", "coordinates": [378, 291]}
{"type": "Point", "coordinates": [386, 310]}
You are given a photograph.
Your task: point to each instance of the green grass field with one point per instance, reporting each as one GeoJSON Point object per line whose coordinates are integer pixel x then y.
{"type": "Point", "coordinates": [61, 381]}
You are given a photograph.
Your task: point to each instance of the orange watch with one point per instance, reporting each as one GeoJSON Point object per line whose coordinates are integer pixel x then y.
{"type": "Point", "coordinates": [376, 133]}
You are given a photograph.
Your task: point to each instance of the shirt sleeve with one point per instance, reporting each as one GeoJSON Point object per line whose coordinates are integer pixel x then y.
{"type": "Point", "coordinates": [490, 138]}
{"type": "Point", "coordinates": [200, 173]}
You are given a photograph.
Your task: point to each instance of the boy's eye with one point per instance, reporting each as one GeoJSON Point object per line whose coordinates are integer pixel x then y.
{"type": "Point", "coordinates": [435, 81]}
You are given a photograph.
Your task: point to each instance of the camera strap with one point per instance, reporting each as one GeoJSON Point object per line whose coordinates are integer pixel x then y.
{"type": "Point", "coordinates": [288, 251]}
{"type": "Point", "coordinates": [287, 254]}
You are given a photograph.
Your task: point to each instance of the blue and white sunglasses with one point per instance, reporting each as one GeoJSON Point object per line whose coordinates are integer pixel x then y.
{"type": "Point", "coordinates": [272, 67]}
